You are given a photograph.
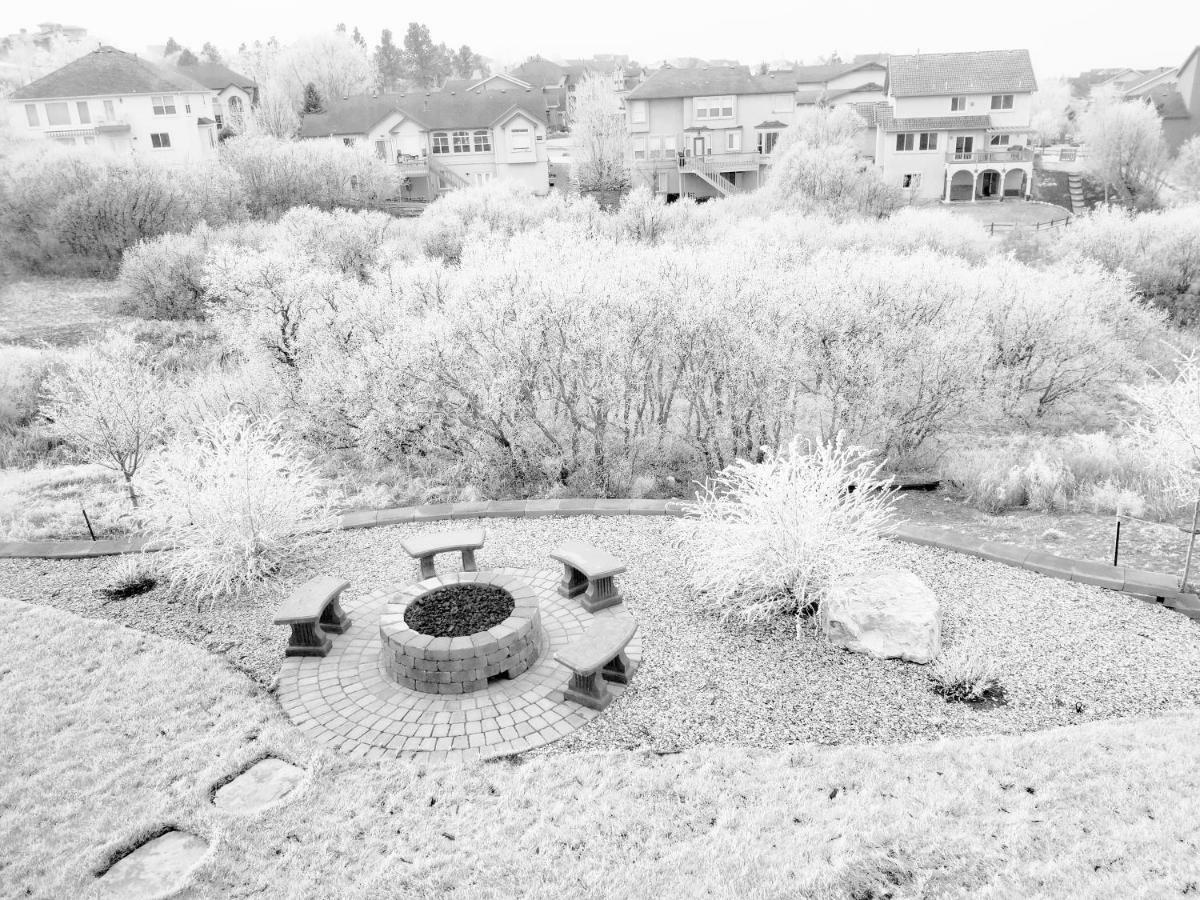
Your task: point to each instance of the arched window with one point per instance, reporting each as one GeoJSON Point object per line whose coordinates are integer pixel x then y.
{"type": "Point", "coordinates": [235, 112]}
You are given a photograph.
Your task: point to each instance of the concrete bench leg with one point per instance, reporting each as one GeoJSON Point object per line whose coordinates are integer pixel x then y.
{"type": "Point", "coordinates": [617, 670]}
{"type": "Point", "coordinates": [427, 567]}
{"type": "Point", "coordinates": [573, 582]}
{"type": "Point", "coordinates": [589, 691]}
{"type": "Point", "coordinates": [308, 639]}
{"type": "Point", "coordinates": [601, 593]}
{"type": "Point", "coordinates": [334, 618]}
{"type": "Point", "coordinates": [469, 560]}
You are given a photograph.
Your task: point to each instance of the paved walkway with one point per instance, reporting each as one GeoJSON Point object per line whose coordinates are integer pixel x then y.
{"type": "Point", "coordinates": [346, 700]}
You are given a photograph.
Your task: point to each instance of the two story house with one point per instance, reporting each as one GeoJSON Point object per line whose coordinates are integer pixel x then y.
{"type": "Point", "coordinates": [441, 140]}
{"type": "Point", "coordinates": [707, 131]}
{"type": "Point", "coordinates": [955, 126]}
{"type": "Point", "coordinates": [118, 102]}
{"type": "Point", "coordinates": [234, 93]}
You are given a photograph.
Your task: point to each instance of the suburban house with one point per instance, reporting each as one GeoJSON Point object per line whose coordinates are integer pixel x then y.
{"type": "Point", "coordinates": [1175, 95]}
{"type": "Point", "coordinates": [955, 126]}
{"type": "Point", "coordinates": [551, 79]}
{"type": "Point", "coordinates": [441, 140]}
{"type": "Point", "coordinates": [840, 83]}
{"type": "Point", "coordinates": [707, 131]}
{"type": "Point", "coordinates": [118, 102]}
{"type": "Point", "coordinates": [235, 93]}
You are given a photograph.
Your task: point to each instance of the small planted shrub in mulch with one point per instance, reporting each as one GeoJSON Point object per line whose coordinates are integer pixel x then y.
{"type": "Point", "coordinates": [459, 610]}
{"type": "Point", "coordinates": [964, 677]}
{"type": "Point", "coordinates": [129, 586]}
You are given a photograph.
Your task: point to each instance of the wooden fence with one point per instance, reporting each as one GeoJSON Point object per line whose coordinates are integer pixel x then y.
{"type": "Point", "coordinates": [993, 227]}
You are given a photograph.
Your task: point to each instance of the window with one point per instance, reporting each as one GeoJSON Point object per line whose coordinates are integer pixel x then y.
{"type": "Point", "coordinates": [381, 149]}
{"type": "Point", "coordinates": [220, 124]}
{"type": "Point", "coordinates": [461, 141]}
{"type": "Point", "coordinates": [31, 115]}
{"type": "Point", "coordinates": [958, 104]}
{"type": "Point", "coordinates": [481, 177]}
{"type": "Point", "coordinates": [999, 140]}
{"type": "Point", "coordinates": [109, 113]}
{"type": "Point", "coordinates": [733, 141]}
{"type": "Point", "coordinates": [911, 181]}
{"type": "Point", "coordinates": [714, 107]}
{"type": "Point", "coordinates": [235, 111]}
{"type": "Point", "coordinates": [766, 141]}
{"type": "Point", "coordinates": [639, 147]}
{"type": "Point", "coordinates": [928, 140]}
{"type": "Point", "coordinates": [58, 114]}
{"type": "Point", "coordinates": [1002, 101]}
{"type": "Point", "coordinates": [349, 142]}
{"type": "Point", "coordinates": [519, 139]}
{"type": "Point", "coordinates": [164, 104]}
{"type": "Point", "coordinates": [160, 140]}
{"type": "Point", "coordinates": [637, 112]}
{"type": "Point", "coordinates": [187, 104]}
{"type": "Point", "coordinates": [963, 147]}
{"type": "Point", "coordinates": [441, 142]}
{"type": "Point", "coordinates": [483, 141]}
{"type": "Point", "coordinates": [669, 146]}
{"type": "Point", "coordinates": [660, 182]}
{"type": "Point", "coordinates": [85, 114]}
{"type": "Point", "coordinates": [656, 147]}
{"type": "Point", "coordinates": [905, 141]}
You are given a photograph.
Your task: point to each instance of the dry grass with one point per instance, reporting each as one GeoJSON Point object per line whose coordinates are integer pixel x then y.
{"type": "Point", "coordinates": [108, 735]}
{"type": "Point", "coordinates": [45, 503]}
{"type": "Point", "coordinates": [60, 311]}
{"type": "Point", "coordinates": [1016, 212]}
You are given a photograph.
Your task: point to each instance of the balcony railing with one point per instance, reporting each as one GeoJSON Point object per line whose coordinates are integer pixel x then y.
{"type": "Point", "coordinates": [1016, 154]}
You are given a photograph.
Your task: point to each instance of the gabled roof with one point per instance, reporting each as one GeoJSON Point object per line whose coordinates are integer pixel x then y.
{"type": "Point", "coordinates": [432, 110]}
{"type": "Point", "coordinates": [826, 73]}
{"type": "Point", "coordinates": [513, 80]}
{"type": "Point", "coordinates": [983, 72]}
{"type": "Point", "coordinates": [843, 92]}
{"type": "Point", "coordinates": [351, 115]}
{"type": "Point", "coordinates": [107, 71]}
{"type": "Point", "coordinates": [874, 113]}
{"type": "Point", "coordinates": [215, 76]}
{"type": "Point", "coordinates": [1149, 80]}
{"type": "Point", "coordinates": [703, 81]}
{"type": "Point", "coordinates": [1168, 102]}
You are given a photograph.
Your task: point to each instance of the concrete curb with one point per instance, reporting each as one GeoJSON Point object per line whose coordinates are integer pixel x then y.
{"type": "Point", "coordinates": [1151, 586]}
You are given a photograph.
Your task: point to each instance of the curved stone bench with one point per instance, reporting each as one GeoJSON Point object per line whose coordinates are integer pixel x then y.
{"type": "Point", "coordinates": [425, 547]}
{"type": "Point", "coordinates": [601, 651]}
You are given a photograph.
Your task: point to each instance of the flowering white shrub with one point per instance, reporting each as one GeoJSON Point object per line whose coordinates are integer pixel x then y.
{"type": "Point", "coordinates": [107, 402]}
{"type": "Point", "coordinates": [238, 502]}
{"type": "Point", "coordinates": [347, 242]}
{"type": "Point", "coordinates": [769, 537]}
{"type": "Point", "coordinates": [164, 276]}
{"type": "Point", "coordinates": [1170, 424]}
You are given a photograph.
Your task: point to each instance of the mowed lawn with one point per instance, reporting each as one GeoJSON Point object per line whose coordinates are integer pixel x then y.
{"type": "Point", "coordinates": [108, 735]}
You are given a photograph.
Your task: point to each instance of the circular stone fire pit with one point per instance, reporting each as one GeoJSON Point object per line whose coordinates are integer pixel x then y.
{"type": "Point", "coordinates": [439, 664]}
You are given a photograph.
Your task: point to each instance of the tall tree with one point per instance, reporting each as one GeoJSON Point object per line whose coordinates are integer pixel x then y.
{"type": "Point", "coordinates": [187, 58]}
{"type": "Point", "coordinates": [389, 63]}
{"type": "Point", "coordinates": [210, 53]}
{"type": "Point", "coordinates": [599, 139]}
{"type": "Point", "coordinates": [358, 38]}
{"type": "Point", "coordinates": [1125, 148]}
{"type": "Point", "coordinates": [425, 63]}
{"type": "Point", "coordinates": [172, 47]}
{"type": "Point", "coordinates": [341, 28]}
{"type": "Point", "coordinates": [466, 61]}
{"type": "Point", "coordinates": [312, 100]}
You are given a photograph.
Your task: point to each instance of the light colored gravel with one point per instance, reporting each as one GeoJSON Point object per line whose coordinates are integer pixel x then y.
{"type": "Point", "coordinates": [1060, 647]}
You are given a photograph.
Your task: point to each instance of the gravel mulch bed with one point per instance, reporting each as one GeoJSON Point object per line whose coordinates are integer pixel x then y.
{"type": "Point", "coordinates": [1067, 653]}
{"type": "Point", "coordinates": [459, 610]}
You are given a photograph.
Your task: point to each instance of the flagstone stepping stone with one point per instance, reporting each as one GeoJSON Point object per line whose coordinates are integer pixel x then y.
{"type": "Point", "coordinates": [264, 783]}
{"type": "Point", "coordinates": [155, 868]}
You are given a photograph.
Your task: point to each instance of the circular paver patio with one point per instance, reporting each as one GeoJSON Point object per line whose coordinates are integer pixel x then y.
{"type": "Point", "coordinates": [347, 701]}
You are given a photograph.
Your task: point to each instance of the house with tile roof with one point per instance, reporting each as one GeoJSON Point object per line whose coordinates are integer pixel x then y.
{"type": "Point", "coordinates": [955, 126]}
{"type": "Point", "coordinates": [707, 131]}
{"type": "Point", "coordinates": [118, 102]}
{"type": "Point", "coordinates": [442, 140]}
{"type": "Point", "coordinates": [235, 93]}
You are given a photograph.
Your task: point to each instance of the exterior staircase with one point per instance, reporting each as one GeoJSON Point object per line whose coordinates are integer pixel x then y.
{"type": "Point", "coordinates": [709, 170]}
{"type": "Point", "coordinates": [1075, 185]}
{"type": "Point", "coordinates": [447, 178]}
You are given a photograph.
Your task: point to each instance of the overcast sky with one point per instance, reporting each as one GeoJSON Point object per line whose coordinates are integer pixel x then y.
{"type": "Point", "coordinates": [1064, 36]}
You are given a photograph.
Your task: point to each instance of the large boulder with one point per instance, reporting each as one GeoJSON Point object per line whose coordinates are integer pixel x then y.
{"type": "Point", "coordinates": [886, 613]}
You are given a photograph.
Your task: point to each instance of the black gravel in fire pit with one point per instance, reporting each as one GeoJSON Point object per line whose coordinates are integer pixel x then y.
{"type": "Point", "coordinates": [459, 609]}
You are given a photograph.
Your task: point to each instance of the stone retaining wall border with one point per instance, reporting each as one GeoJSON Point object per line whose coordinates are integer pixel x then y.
{"type": "Point", "coordinates": [1153, 586]}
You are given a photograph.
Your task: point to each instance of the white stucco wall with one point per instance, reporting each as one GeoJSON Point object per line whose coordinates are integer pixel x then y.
{"type": "Point", "coordinates": [189, 142]}
{"type": "Point", "coordinates": [977, 105]}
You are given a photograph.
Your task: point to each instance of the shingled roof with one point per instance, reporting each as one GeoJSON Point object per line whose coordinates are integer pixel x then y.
{"type": "Point", "coordinates": [984, 72]}
{"type": "Point", "coordinates": [215, 76]}
{"type": "Point", "coordinates": [107, 72]}
{"type": "Point", "coordinates": [433, 110]}
{"type": "Point", "coordinates": [704, 81]}
{"type": "Point", "coordinates": [937, 123]}
{"type": "Point", "coordinates": [824, 74]}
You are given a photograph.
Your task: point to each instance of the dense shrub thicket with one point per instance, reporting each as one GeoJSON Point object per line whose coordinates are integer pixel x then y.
{"type": "Point", "coordinates": [559, 349]}
{"type": "Point", "coordinates": [69, 211]}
